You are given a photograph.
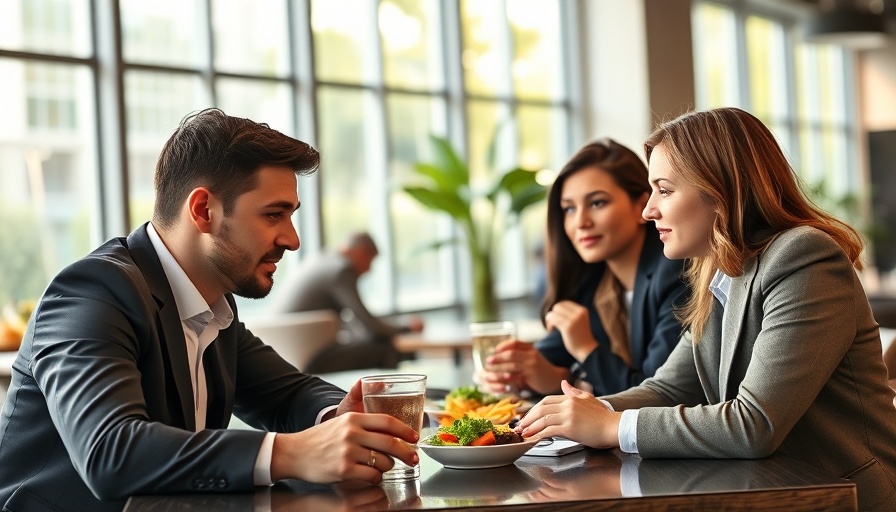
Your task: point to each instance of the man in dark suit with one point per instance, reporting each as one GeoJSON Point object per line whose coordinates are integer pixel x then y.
{"type": "Point", "coordinates": [135, 357]}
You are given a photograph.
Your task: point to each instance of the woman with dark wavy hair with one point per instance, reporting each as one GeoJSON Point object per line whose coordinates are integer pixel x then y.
{"type": "Point", "coordinates": [781, 353]}
{"type": "Point", "coordinates": [610, 291]}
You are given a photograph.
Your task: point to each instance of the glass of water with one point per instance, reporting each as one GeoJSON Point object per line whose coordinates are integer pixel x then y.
{"type": "Point", "coordinates": [486, 337]}
{"type": "Point", "coordinates": [400, 396]}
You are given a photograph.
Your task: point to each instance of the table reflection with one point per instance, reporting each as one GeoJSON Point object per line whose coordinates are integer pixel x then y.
{"type": "Point", "coordinates": [603, 478]}
{"type": "Point", "coordinates": [480, 487]}
{"type": "Point", "coordinates": [349, 496]}
{"type": "Point", "coordinates": [577, 476]}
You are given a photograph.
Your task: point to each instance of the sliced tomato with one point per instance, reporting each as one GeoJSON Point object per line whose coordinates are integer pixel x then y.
{"type": "Point", "coordinates": [448, 437]}
{"type": "Point", "coordinates": [486, 439]}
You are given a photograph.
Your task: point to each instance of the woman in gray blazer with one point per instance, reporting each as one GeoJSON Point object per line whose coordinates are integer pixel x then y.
{"type": "Point", "coordinates": [781, 353]}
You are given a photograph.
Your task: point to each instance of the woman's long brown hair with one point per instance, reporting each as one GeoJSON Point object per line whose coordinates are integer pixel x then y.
{"type": "Point", "coordinates": [738, 166]}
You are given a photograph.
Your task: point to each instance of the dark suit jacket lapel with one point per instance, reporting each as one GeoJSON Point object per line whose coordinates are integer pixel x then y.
{"type": "Point", "coordinates": [647, 262]}
{"type": "Point", "coordinates": [735, 315]}
{"type": "Point", "coordinates": [219, 400]}
{"type": "Point", "coordinates": [219, 361]}
{"type": "Point", "coordinates": [174, 346]}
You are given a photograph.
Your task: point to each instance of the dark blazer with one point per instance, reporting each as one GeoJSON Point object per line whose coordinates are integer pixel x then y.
{"type": "Point", "coordinates": [792, 365]}
{"type": "Point", "coordinates": [101, 403]}
{"type": "Point", "coordinates": [653, 333]}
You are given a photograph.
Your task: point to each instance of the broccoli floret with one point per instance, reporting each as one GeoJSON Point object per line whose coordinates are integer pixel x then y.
{"type": "Point", "coordinates": [467, 429]}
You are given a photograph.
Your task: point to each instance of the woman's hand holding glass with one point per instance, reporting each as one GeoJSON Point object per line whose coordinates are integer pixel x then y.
{"type": "Point", "coordinates": [574, 323]}
{"type": "Point", "coordinates": [519, 365]}
{"type": "Point", "coordinates": [575, 415]}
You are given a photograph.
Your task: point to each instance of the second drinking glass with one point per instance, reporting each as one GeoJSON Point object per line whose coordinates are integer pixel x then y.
{"type": "Point", "coordinates": [486, 337]}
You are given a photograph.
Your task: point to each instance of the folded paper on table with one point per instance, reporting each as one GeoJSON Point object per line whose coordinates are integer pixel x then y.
{"type": "Point", "coordinates": [554, 447]}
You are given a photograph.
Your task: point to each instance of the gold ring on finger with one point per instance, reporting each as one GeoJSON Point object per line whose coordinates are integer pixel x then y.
{"type": "Point", "coordinates": [372, 459]}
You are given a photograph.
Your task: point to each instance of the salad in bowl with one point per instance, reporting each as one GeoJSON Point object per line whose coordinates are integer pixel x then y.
{"type": "Point", "coordinates": [474, 443]}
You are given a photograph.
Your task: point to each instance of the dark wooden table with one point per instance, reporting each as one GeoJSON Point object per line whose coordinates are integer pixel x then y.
{"type": "Point", "coordinates": [586, 480]}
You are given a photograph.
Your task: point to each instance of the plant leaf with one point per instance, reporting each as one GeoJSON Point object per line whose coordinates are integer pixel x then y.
{"type": "Point", "coordinates": [491, 152]}
{"type": "Point", "coordinates": [440, 200]}
{"type": "Point", "coordinates": [518, 179]}
{"type": "Point", "coordinates": [526, 197]}
{"type": "Point", "coordinates": [441, 179]}
{"type": "Point", "coordinates": [437, 244]}
{"type": "Point", "coordinates": [451, 165]}
{"type": "Point", "coordinates": [514, 182]}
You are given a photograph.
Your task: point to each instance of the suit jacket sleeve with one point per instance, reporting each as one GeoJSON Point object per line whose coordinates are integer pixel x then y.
{"type": "Point", "coordinates": [800, 312]}
{"type": "Point", "coordinates": [654, 331]}
{"type": "Point", "coordinates": [660, 333]}
{"type": "Point", "coordinates": [93, 333]}
{"type": "Point", "coordinates": [676, 382]}
{"type": "Point", "coordinates": [552, 348]}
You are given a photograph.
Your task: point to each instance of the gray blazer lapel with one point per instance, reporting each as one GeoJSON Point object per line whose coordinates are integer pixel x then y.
{"type": "Point", "coordinates": [168, 321]}
{"type": "Point", "coordinates": [735, 315]}
{"type": "Point", "coordinates": [707, 357]}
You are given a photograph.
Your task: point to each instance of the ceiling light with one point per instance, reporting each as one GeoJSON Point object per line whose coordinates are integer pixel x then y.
{"type": "Point", "coordinates": [848, 26]}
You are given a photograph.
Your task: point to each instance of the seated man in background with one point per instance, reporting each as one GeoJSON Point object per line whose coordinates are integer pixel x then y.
{"type": "Point", "coordinates": [135, 357]}
{"type": "Point", "coordinates": [329, 280]}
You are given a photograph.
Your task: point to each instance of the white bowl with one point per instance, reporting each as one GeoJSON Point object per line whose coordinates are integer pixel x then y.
{"type": "Point", "coordinates": [477, 457]}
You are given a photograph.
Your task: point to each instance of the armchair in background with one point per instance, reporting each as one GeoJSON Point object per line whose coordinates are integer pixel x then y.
{"type": "Point", "coordinates": [297, 337]}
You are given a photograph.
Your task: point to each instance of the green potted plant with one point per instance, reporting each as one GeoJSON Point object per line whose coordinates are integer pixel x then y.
{"type": "Point", "coordinates": [444, 185]}
{"type": "Point", "coordinates": [847, 207]}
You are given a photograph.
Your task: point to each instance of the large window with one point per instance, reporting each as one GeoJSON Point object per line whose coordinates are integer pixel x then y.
{"type": "Point", "coordinates": [753, 59]}
{"type": "Point", "coordinates": [386, 80]}
{"type": "Point", "coordinates": [49, 212]}
{"type": "Point", "coordinates": [365, 81]}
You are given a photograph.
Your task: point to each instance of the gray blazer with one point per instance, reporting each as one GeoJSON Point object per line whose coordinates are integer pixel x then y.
{"type": "Point", "coordinates": [793, 366]}
{"type": "Point", "coordinates": [101, 403]}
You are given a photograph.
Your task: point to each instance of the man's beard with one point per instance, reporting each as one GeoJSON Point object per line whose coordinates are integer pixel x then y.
{"type": "Point", "coordinates": [239, 268]}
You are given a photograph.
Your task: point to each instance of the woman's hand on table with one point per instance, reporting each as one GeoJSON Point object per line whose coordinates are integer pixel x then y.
{"type": "Point", "coordinates": [575, 415]}
{"type": "Point", "coordinates": [574, 323]}
{"type": "Point", "coordinates": [352, 446]}
{"type": "Point", "coordinates": [521, 366]}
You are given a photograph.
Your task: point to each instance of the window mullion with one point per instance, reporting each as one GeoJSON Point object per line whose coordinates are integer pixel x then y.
{"type": "Point", "coordinates": [111, 121]}
{"type": "Point", "coordinates": [378, 171]}
{"type": "Point", "coordinates": [792, 114]}
{"type": "Point", "coordinates": [304, 86]}
{"type": "Point", "coordinates": [743, 63]}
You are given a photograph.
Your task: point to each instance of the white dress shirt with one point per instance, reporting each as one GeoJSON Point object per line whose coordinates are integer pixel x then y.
{"type": "Point", "coordinates": [201, 324]}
